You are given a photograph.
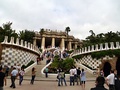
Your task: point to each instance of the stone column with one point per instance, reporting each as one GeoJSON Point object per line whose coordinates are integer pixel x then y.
{"type": "Point", "coordinates": [75, 45]}
{"type": "Point", "coordinates": [63, 44]}
{"type": "Point", "coordinates": [43, 43]}
{"type": "Point", "coordinates": [34, 41]}
{"type": "Point", "coordinates": [53, 42]}
{"type": "Point", "coordinates": [69, 46]}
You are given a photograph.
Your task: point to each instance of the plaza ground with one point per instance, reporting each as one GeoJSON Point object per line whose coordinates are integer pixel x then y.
{"type": "Point", "coordinates": [47, 84]}
{"type": "Point", "coordinates": [50, 83]}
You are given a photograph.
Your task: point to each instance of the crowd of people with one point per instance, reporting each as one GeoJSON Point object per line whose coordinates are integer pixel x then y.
{"type": "Point", "coordinates": [112, 81]}
{"type": "Point", "coordinates": [15, 72]}
{"type": "Point", "coordinates": [77, 75]}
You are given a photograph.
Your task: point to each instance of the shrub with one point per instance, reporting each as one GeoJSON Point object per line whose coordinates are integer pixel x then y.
{"type": "Point", "coordinates": [30, 63]}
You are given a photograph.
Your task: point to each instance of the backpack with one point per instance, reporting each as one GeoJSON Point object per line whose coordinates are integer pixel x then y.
{"type": "Point", "coordinates": [62, 74]}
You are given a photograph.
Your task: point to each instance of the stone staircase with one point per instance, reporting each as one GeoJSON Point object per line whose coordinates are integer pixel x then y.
{"type": "Point", "coordinates": [38, 69]}
{"type": "Point", "coordinates": [52, 77]}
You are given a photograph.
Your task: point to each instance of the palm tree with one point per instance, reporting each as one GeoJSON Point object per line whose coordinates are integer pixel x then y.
{"type": "Point", "coordinates": [67, 30]}
{"type": "Point", "coordinates": [27, 35]}
{"type": "Point", "coordinates": [92, 33]}
{"type": "Point", "coordinates": [41, 32]}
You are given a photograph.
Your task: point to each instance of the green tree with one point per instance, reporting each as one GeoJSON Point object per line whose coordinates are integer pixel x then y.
{"type": "Point", "coordinates": [27, 35]}
{"type": "Point", "coordinates": [41, 32]}
{"type": "Point", "coordinates": [6, 30]}
{"type": "Point", "coordinates": [67, 30]}
{"type": "Point", "coordinates": [65, 64]}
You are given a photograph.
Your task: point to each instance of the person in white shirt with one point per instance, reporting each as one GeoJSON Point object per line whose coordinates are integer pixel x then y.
{"type": "Point", "coordinates": [72, 76]}
{"type": "Point", "coordinates": [14, 74]}
{"type": "Point", "coordinates": [110, 80]}
{"type": "Point", "coordinates": [75, 75]}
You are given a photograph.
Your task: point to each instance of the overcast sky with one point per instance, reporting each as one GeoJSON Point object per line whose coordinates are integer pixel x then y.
{"type": "Point", "coordinates": [81, 16]}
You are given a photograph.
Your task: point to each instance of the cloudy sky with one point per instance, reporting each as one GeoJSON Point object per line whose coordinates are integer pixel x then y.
{"type": "Point", "coordinates": [81, 16]}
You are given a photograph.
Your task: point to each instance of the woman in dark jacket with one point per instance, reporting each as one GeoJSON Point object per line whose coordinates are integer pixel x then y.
{"type": "Point", "coordinates": [99, 84]}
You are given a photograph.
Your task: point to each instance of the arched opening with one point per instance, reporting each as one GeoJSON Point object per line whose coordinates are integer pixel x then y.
{"type": "Point", "coordinates": [106, 69]}
{"type": "Point", "coordinates": [118, 66]}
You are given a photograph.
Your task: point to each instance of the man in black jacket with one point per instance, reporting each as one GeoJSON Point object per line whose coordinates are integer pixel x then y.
{"type": "Point", "coordinates": [2, 78]}
{"type": "Point", "coordinates": [99, 84]}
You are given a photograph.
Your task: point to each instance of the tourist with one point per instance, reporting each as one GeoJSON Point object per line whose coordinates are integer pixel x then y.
{"type": "Point", "coordinates": [46, 72]}
{"type": "Point", "coordinates": [14, 74]}
{"type": "Point", "coordinates": [83, 78]}
{"type": "Point", "coordinates": [101, 73]}
{"type": "Point", "coordinates": [6, 71]}
{"type": "Point", "coordinates": [99, 83]}
{"type": "Point", "coordinates": [2, 78]}
{"type": "Point", "coordinates": [117, 81]}
{"type": "Point", "coordinates": [75, 75]}
{"type": "Point", "coordinates": [78, 75]}
{"type": "Point", "coordinates": [59, 77]}
{"type": "Point", "coordinates": [110, 80]}
{"type": "Point", "coordinates": [62, 73]}
{"type": "Point", "coordinates": [33, 74]}
{"type": "Point", "coordinates": [38, 60]}
{"type": "Point", "coordinates": [21, 74]}
{"type": "Point", "coordinates": [72, 76]}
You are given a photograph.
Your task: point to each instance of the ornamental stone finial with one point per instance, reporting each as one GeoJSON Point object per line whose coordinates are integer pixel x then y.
{"type": "Point", "coordinates": [6, 39]}
{"type": "Point", "coordinates": [12, 40]}
{"type": "Point", "coordinates": [17, 41]}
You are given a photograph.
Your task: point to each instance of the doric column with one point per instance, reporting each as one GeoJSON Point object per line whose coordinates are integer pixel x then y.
{"type": "Point", "coordinates": [63, 44]}
{"type": "Point", "coordinates": [53, 42]}
{"type": "Point", "coordinates": [69, 46]}
{"type": "Point", "coordinates": [43, 43]}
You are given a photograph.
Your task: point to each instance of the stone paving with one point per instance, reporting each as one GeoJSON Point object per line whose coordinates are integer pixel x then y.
{"type": "Point", "coordinates": [42, 83]}
{"type": "Point", "coordinates": [46, 84]}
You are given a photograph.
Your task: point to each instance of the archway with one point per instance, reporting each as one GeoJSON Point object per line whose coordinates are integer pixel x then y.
{"type": "Point", "coordinates": [118, 66]}
{"type": "Point", "coordinates": [106, 69]}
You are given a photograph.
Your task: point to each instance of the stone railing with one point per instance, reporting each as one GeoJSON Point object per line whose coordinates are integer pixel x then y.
{"type": "Point", "coordinates": [21, 43]}
{"type": "Point", "coordinates": [97, 47]}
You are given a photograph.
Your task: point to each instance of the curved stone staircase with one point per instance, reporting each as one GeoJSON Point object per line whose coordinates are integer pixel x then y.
{"type": "Point", "coordinates": [52, 77]}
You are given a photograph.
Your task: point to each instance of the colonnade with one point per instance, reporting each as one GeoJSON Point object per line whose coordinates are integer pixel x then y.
{"type": "Point", "coordinates": [63, 43]}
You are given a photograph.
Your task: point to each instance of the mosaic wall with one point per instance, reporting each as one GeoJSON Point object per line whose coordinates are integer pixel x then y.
{"type": "Point", "coordinates": [89, 61]}
{"type": "Point", "coordinates": [11, 56]}
{"type": "Point", "coordinates": [19, 52]}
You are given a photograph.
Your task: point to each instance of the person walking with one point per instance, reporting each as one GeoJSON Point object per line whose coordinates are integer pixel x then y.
{"type": "Point", "coordinates": [14, 74]}
{"type": "Point", "coordinates": [110, 80]}
{"type": "Point", "coordinates": [83, 78]}
{"type": "Point", "coordinates": [7, 71]}
{"type": "Point", "coordinates": [100, 80]}
{"type": "Point", "coordinates": [33, 75]}
{"type": "Point", "coordinates": [2, 78]}
{"type": "Point", "coordinates": [21, 74]}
